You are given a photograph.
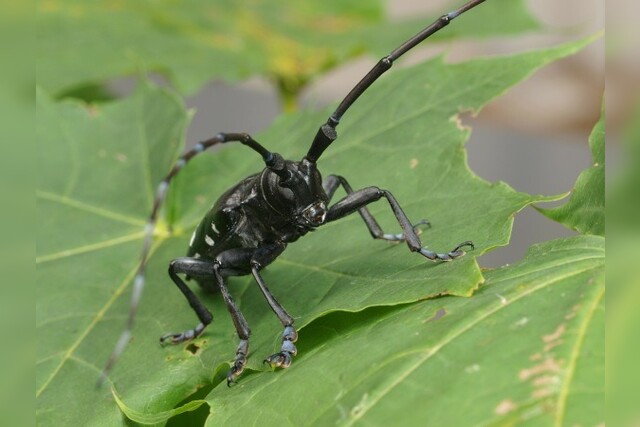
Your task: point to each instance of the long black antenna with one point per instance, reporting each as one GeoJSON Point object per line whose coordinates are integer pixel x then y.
{"type": "Point", "coordinates": [327, 132]}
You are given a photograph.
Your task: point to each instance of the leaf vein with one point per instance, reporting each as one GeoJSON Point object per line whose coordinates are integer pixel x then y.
{"type": "Point", "coordinates": [89, 248]}
{"type": "Point", "coordinates": [99, 315]}
{"type": "Point", "coordinates": [77, 204]}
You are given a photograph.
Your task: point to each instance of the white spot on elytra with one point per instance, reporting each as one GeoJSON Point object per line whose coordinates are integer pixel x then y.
{"type": "Point", "coordinates": [196, 255]}
{"type": "Point", "coordinates": [209, 240]}
{"type": "Point", "coordinates": [193, 237]}
{"type": "Point", "coordinates": [214, 228]}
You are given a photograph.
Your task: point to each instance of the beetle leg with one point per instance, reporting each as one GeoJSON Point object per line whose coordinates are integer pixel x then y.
{"type": "Point", "coordinates": [356, 200]}
{"type": "Point", "coordinates": [196, 268]}
{"type": "Point", "coordinates": [331, 184]}
{"type": "Point", "coordinates": [241, 325]}
{"type": "Point", "coordinates": [262, 257]}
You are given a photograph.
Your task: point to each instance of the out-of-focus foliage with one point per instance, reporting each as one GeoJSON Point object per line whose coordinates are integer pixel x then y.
{"type": "Point", "coordinates": [84, 43]}
{"type": "Point", "coordinates": [623, 273]}
{"type": "Point", "coordinates": [17, 177]}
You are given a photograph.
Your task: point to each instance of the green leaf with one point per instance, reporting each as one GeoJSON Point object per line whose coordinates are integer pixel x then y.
{"type": "Point", "coordinates": [527, 348]}
{"type": "Point", "coordinates": [93, 195]}
{"type": "Point", "coordinates": [193, 41]}
{"type": "Point", "coordinates": [584, 212]}
{"type": "Point", "coordinates": [156, 418]}
{"type": "Point", "coordinates": [97, 170]}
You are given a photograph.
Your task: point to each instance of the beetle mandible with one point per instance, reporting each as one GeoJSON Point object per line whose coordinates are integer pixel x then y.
{"type": "Point", "coordinates": [251, 224]}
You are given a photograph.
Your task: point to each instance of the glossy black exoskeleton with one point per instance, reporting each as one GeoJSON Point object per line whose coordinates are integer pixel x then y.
{"type": "Point", "coordinates": [251, 224]}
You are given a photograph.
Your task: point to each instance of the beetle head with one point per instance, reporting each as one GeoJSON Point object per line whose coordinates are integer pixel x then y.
{"type": "Point", "coordinates": [297, 192]}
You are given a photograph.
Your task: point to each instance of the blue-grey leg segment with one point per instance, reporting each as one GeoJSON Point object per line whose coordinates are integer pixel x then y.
{"type": "Point", "coordinates": [282, 359]}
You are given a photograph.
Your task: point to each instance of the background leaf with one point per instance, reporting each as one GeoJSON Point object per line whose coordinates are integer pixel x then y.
{"type": "Point", "coordinates": [190, 42]}
{"type": "Point", "coordinates": [97, 171]}
{"type": "Point", "coordinates": [584, 212]}
{"type": "Point", "coordinates": [623, 271]}
{"type": "Point", "coordinates": [493, 18]}
{"type": "Point", "coordinates": [527, 348]}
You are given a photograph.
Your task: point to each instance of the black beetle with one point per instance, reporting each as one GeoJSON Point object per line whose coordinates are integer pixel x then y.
{"type": "Point", "coordinates": [251, 224]}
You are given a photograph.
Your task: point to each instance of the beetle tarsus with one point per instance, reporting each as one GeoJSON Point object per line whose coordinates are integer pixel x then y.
{"type": "Point", "coordinates": [239, 363]}
{"type": "Point", "coordinates": [281, 359]}
{"type": "Point", "coordinates": [177, 338]}
{"type": "Point", "coordinates": [449, 256]}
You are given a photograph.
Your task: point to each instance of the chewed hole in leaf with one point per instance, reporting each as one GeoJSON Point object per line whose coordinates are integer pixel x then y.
{"type": "Point", "coordinates": [193, 348]}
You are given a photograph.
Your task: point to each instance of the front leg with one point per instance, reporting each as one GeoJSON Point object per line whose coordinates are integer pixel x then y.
{"type": "Point", "coordinates": [356, 200]}
{"type": "Point", "coordinates": [331, 184]}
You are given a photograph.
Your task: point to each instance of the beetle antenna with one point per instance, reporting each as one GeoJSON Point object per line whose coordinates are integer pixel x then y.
{"type": "Point", "coordinates": [270, 159]}
{"type": "Point", "coordinates": [327, 133]}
